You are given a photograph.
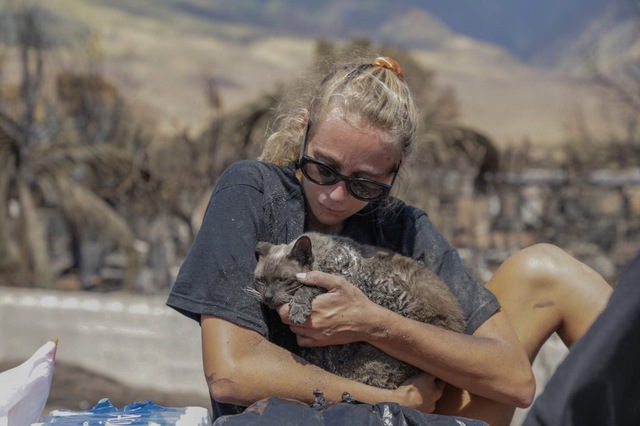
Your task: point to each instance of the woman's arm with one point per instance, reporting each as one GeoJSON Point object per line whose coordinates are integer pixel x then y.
{"type": "Point", "coordinates": [242, 367]}
{"type": "Point", "coordinates": [490, 363]}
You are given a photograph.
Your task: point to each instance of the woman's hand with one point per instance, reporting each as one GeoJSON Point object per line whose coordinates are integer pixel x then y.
{"type": "Point", "coordinates": [421, 392]}
{"type": "Point", "coordinates": [338, 316]}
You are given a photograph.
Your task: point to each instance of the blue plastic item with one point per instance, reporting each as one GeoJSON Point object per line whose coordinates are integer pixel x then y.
{"type": "Point", "coordinates": [136, 414]}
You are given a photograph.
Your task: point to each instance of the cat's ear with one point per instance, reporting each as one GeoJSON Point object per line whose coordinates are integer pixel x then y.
{"type": "Point", "coordinates": [302, 252]}
{"type": "Point", "coordinates": [262, 248]}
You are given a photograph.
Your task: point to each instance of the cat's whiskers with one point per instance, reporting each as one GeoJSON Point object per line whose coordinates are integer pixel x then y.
{"type": "Point", "coordinates": [296, 288]}
{"type": "Point", "coordinates": [253, 292]}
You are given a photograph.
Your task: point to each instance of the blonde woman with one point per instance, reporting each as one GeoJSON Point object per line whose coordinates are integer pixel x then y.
{"type": "Point", "coordinates": [329, 168]}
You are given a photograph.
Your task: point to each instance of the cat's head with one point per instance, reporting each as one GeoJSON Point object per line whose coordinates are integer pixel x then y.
{"type": "Point", "coordinates": [275, 273]}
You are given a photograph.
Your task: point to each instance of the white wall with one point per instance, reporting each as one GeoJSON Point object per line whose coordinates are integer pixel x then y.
{"type": "Point", "coordinates": [132, 338]}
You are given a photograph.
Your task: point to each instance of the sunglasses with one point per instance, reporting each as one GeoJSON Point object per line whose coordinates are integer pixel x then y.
{"type": "Point", "coordinates": [323, 174]}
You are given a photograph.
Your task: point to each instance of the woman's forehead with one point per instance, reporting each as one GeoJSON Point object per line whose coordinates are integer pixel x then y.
{"type": "Point", "coordinates": [356, 148]}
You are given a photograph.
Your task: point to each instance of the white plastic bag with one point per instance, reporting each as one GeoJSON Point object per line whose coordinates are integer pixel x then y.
{"type": "Point", "coordinates": [24, 390]}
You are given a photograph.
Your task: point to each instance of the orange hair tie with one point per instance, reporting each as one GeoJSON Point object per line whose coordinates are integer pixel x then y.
{"type": "Point", "coordinates": [390, 64]}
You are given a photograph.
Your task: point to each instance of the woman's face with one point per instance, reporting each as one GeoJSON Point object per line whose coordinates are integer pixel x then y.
{"type": "Point", "coordinates": [352, 151]}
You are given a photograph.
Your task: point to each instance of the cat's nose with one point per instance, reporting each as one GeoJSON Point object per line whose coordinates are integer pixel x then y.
{"type": "Point", "coordinates": [268, 297]}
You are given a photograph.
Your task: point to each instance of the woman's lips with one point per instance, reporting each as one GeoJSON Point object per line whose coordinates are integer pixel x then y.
{"type": "Point", "coordinates": [331, 211]}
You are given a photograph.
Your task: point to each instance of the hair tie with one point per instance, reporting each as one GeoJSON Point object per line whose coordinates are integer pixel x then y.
{"type": "Point", "coordinates": [390, 64]}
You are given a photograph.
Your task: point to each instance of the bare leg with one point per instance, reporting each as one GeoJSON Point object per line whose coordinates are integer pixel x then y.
{"type": "Point", "coordinates": [542, 290]}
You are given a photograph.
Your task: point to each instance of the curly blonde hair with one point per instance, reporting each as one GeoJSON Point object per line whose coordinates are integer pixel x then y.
{"type": "Point", "coordinates": [372, 91]}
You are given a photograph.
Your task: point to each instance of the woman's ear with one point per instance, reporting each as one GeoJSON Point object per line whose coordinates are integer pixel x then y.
{"type": "Point", "coordinates": [305, 119]}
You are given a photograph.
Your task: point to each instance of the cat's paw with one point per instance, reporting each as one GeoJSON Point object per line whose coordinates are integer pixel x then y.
{"type": "Point", "coordinates": [298, 314]}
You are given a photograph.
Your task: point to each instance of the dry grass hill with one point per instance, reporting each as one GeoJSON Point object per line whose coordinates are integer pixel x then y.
{"type": "Point", "coordinates": [164, 58]}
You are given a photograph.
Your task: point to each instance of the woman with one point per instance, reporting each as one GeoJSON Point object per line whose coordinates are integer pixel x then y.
{"type": "Point", "coordinates": [329, 168]}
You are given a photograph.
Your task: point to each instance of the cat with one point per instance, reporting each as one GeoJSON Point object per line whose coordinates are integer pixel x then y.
{"type": "Point", "coordinates": [396, 282]}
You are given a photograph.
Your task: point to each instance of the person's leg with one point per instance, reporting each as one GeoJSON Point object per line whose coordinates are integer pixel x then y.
{"type": "Point", "coordinates": [542, 290]}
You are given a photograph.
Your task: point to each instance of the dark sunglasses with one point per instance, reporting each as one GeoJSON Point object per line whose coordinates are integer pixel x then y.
{"type": "Point", "coordinates": [321, 173]}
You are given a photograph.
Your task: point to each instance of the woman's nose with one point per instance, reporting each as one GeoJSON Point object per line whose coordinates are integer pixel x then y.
{"type": "Point", "coordinates": [338, 192]}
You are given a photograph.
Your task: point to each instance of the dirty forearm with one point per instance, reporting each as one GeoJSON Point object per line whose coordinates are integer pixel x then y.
{"type": "Point", "coordinates": [242, 367]}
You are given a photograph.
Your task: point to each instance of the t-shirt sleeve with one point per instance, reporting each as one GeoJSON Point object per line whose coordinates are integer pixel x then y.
{"type": "Point", "coordinates": [219, 267]}
{"type": "Point", "coordinates": [477, 302]}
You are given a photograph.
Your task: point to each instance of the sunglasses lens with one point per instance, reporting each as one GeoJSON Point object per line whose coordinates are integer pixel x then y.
{"type": "Point", "coordinates": [319, 174]}
{"type": "Point", "coordinates": [366, 190]}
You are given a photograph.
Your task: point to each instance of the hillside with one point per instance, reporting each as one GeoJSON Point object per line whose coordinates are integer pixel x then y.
{"type": "Point", "coordinates": [164, 56]}
{"type": "Point", "coordinates": [609, 44]}
{"type": "Point", "coordinates": [523, 28]}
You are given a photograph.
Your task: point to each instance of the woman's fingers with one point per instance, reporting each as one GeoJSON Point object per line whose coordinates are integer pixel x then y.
{"type": "Point", "coordinates": [321, 279]}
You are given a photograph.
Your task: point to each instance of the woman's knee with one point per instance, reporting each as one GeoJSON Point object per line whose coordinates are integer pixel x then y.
{"type": "Point", "coordinates": [539, 264]}
{"type": "Point", "coordinates": [549, 272]}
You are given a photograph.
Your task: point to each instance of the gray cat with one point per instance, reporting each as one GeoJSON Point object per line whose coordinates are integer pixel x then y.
{"type": "Point", "coordinates": [396, 282]}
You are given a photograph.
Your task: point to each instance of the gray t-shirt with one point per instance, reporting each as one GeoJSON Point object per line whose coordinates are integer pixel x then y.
{"type": "Point", "coordinates": [256, 201]}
